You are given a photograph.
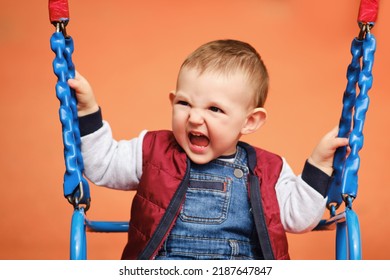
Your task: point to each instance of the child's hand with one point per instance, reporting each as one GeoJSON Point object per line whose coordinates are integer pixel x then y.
{"type": "Point", "coordinates": [86, 102]}
{"type": "Point", "coordinates": [323, 154]}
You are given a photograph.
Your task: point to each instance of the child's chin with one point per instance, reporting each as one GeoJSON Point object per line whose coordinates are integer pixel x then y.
{"type": "Point", "coordinates": [200, 159]}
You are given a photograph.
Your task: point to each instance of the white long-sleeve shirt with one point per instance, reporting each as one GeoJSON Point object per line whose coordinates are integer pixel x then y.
{"type": "Point", "coordinates": [118, 165]}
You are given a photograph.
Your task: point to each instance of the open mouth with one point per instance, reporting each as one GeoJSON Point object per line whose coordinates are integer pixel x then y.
{"type": "Point", "coordinates": [198, 139]}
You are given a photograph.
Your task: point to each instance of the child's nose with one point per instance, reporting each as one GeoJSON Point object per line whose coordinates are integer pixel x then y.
{"type": "Point", "coordinates": [196, 117]}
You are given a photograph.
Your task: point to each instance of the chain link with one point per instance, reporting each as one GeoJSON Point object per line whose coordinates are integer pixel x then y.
{"type": "Point", "coordinates": [76, 188]}
{"type": "Point", "coordinates": [344, 185]}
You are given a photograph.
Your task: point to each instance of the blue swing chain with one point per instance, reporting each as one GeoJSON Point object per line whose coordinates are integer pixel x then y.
{"type": "Point", "coordinates": [76, 188]}
{"type": "Point", "coordinates": [344, 185]}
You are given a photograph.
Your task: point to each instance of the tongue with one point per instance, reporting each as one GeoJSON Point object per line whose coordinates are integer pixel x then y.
{"type": "Point", "coordinates": [201, 140]}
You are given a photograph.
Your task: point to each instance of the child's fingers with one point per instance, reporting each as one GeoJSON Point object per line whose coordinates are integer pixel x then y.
{"type": "Point", "coordinates": [74, 84]}
{"type": "Point", "coordinates": [340, 142]}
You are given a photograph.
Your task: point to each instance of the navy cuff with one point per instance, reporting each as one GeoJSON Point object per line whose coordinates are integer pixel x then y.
{"type": "Point", "coordinates": [90, 123]}
{"type": "Point", "coordinates": [316, 178]}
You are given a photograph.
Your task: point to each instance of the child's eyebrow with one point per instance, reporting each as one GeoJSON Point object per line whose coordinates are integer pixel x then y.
{"type": "Point", "coordinates": [181, 95]}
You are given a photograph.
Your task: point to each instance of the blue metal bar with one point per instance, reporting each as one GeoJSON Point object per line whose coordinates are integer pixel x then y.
{"type": "Point", "coordinates": [331, 223]}
{"type": "Point", "coordinates": [353, 231]}
{"type": "Point", "coordinates": [341, 241]}
{"type": "Point", "coordinates": [80, 224]}
{"type": "Point", "coordinates": [105, 226]}
{"type": "Point", "coordinates": [348, 241]}
{"type": "Point", "coordinates": [78, 240]}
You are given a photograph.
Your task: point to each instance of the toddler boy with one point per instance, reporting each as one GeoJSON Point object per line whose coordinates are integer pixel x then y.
{"type": "Point", "coordinates": [201, 192]}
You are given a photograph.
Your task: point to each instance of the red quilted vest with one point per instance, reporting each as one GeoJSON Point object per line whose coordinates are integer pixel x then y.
{"type": "Point", "coordinates": [162, 189]}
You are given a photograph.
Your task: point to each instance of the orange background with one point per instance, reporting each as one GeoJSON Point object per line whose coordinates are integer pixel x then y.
{"type": "Point", "coordinates": [131, 51]}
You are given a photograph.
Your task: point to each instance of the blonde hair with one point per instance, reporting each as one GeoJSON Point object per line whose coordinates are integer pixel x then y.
{"type": "Point", "coordinates": [228, 56]}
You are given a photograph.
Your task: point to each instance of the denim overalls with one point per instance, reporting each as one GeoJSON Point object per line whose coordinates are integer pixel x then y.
{"type": "Point", "coordinates": [215, 221]}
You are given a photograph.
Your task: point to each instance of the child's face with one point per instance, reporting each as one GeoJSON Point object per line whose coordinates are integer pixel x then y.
{"type": "Point", "coordinates": [211, 112]}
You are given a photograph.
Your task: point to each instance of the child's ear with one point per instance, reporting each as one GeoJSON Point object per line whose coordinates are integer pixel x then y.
{"type": "Point", "coordinates": [172, 95]}
{"type": "Point", "coordinates": [254, 121]}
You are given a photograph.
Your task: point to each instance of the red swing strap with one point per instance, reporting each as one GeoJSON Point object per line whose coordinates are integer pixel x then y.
{"type": "Point", "coordinates": [58, 11]}
{"type": "Point", "coordinates": [368, 11]}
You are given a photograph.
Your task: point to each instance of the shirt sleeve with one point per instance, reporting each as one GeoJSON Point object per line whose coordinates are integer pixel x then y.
{"type": "Point", "coordinates": [302, 199]}
{"type": "Point", "coordinates": [110, 163]}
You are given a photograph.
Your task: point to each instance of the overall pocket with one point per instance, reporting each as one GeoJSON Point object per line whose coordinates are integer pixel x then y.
{"type": "Point", "coordinates": [207, 199]}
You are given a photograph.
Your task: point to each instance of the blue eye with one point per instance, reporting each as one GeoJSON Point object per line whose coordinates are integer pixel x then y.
{"type": "Point", "coordinates": [215, 109]}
